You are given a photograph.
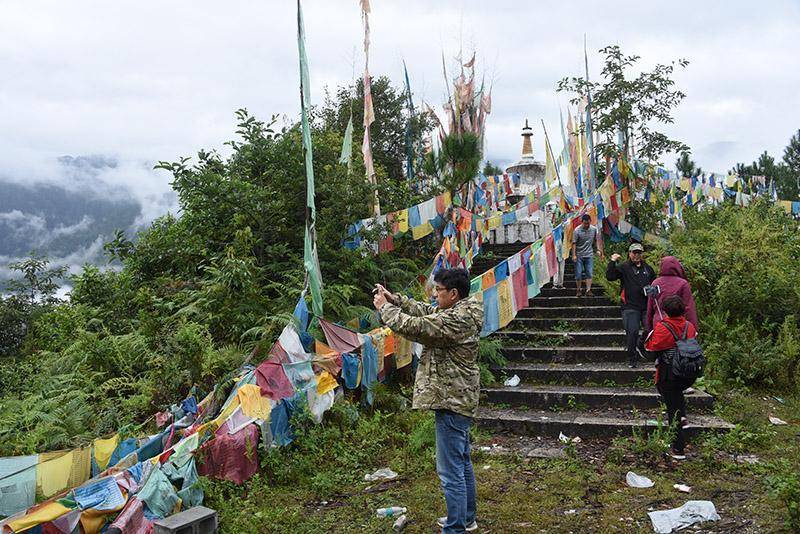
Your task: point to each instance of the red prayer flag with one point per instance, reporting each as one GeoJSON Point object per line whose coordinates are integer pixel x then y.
{"type": "Point", "coordinates": [520, 283]}
{"type": "Point", "coordinates": [386, 244]}
{"type": "Point", "coordinates": [272, 380]}
{"type": "Point", "coordinates": [231, 457]}
{"type": "Point", "coordinates": [550, 250]}
{"type": "Point", "coordinates": [440, 207]}
{"type": "Point", "coordinates": [340, 338]}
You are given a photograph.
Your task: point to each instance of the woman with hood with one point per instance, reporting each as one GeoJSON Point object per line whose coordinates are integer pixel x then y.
{"type": "Point", "coordinates": [671, 281]}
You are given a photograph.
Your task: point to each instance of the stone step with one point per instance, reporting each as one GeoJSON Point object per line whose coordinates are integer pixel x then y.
{"type": "Point", "coordinates": [564, 339]}
{"type": "Point", "coordinates": [549, 291]}
{"type": "Point", "coordinates": [572, 324]}
{"type": "Point", "coordinates": [504, 248]}
{"type": "Point", "coordinates": [567, 354]}
{"type": "Point", "coordinates": [587, 425]}
{"type": "Point", "coordinates": [541, 397]}
{"type": "Point", "coordinates": [535, 310]}
{"type": "Point", "coordinates": [606, 374]}
{"type": "Point", "coordinates": [570, 301]}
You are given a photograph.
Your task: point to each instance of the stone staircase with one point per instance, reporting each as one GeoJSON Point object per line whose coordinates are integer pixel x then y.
{"type": "Point", "coordinates": [569, 353]}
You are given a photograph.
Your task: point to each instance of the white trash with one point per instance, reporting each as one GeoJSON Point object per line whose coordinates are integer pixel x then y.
{"type": "Point", "coordinates": [562, 438]}
{"type": "Point", "coordinates": [682, 487]}
{"type": "Point", "coordinates": [392, 511]}
{"type": "Point", "coordinates": [400, 524]}
{"type": "Point", "coordinates": [512, 382]}
{"type": "Point", "coordinates": [666, 521]}
{"type": "Point", "coordinates": [381, 474]}
{"type": "Point", "coordinates": [776, 421]}
{"type": "Point", "coordinates": [638, 481]}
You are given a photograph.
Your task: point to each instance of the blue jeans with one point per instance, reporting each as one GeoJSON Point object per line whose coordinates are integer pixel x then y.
{"type": "Point", "coordinates": [454, 466]}
{"type": "Point", "coordinates": [584, 267]}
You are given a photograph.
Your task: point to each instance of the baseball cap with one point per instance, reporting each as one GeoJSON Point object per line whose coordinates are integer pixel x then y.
{"type": "Point", "coordinates": [636, 247]}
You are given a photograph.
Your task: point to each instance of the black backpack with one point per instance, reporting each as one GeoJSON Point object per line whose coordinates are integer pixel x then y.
{"type": "Point", "coordinates": [688, 360]}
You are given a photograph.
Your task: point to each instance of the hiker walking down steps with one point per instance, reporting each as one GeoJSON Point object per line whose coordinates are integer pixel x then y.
{"type": "Point", "coordinates": [663, 340]}
{"type": "Point", "coordinates": [584, 241]}
{"type": "Point", "coordinates": [635, 274]}
{"type": "Point", "coordinates": [447, 380]}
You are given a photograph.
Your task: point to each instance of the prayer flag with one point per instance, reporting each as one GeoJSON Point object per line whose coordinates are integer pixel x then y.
{"type": "Point", "coordinates": [310, 259]}
{"type": "Point", "coordinates": [505, 304]}
{"type": "Point", "coordinates": [491, 314]}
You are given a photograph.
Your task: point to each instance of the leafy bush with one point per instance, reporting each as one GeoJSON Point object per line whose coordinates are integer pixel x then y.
{"type": "Point", "coordinates": [742, 265]}
{"type": "Point", "coordinates": [490, 355]}
{"type": "Point", "coordinates": [785, 486]}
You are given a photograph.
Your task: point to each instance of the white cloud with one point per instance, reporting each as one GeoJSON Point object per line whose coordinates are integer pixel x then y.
{"type": "Point", "coordinates": [145, 81]}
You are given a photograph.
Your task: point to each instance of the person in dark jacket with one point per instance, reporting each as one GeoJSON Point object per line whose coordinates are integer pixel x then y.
{"type": "Point", "coordinates": [661, 341]}
{"type": "Point", "coordinates": [635, 275]}
{"type": "Point", "coordinates": [671, 281]}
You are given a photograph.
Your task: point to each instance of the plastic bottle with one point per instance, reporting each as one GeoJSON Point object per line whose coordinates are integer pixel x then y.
{"type": "Point", "coordinates": [391, 512]}
{"type": "Point", "coordinates": [400, 524]}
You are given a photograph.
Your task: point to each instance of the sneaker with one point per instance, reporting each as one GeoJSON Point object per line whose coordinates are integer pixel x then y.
{"type": "Point", "coordinates": [578, 293]}
{"type": "Point", "coordinates": [688, 391]}
{"type": "Point", "coordinates": [632, 365]}
{"type": "Point", "coordinates": [589, 293]}
{"type": "Point", "coordinates": [470, 528]}
{"type": "Point", "coordinates": [676, 455]}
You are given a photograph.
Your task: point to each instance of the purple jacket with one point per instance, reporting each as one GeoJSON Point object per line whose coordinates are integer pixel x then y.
{"type": "Point", "coordinates": [671, 281]}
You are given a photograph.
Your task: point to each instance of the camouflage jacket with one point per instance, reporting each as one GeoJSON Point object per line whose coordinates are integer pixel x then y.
{"type": "Point", "coordinates": [447, 375]}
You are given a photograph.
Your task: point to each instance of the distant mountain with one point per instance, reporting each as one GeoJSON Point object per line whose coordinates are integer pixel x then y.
{"type": "Point", "coordinates": [68, 218]}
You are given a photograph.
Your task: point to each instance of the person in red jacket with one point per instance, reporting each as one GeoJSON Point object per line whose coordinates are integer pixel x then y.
{"type": "Point", "coordinates": [662, 341]}
{"type": "Point", "coordinates": [671, 281]}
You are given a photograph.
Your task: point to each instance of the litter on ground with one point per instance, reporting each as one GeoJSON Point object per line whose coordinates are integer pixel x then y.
{"type": "Point", "coordinates": [512, 382]}
{"type": "Point", "coordinates": [666, 521]}
{"type": "Point", "coordinates": [638, 481]}
{"type": "Point", "coordinates": [381, 474]}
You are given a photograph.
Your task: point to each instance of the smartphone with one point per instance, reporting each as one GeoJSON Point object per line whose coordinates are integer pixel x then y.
{"type": "Point", "coordinates": [652, 291]}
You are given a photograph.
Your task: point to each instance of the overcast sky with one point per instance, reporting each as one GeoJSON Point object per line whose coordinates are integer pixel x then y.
{"type": "Point", "coordinates": [147, 80]}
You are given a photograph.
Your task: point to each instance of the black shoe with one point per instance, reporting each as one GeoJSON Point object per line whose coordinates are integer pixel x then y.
{"type": "Point", "coordinates": [632, 365]}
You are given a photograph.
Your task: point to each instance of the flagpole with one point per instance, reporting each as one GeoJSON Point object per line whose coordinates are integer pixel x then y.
{"type": "Point", "coordinates": [590, 131]}
{"type": "Point", "coordinates": [550, 151]}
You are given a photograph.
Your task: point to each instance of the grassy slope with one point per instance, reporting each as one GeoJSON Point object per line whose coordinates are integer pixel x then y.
{"type": "Point", "coordinates": [316, 485]}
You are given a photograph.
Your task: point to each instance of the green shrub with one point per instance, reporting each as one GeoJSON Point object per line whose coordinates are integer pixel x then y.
{"type": "Point", "coordinates": [785, 486]}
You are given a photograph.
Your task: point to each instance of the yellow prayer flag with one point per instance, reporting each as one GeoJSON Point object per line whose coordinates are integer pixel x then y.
{"type": "Point", "coordinates": [402, 221]}
{"type": "Point", "coordinates": [325, 383]}
{"type": "Point", "coordinates": [496, 221]}
{"type": "Point", "coordinates": [566, 249]}
{"type": "Point", "coordinates": [685, 184]}
{"type": "Point", "coordinates": [43, 514]}
{"type": "Point", "coordinates": [402, 352]}
{"type": "Point", "coordinates": [92, 520]}
{"type": "Point", "coordinates": [103, 449]}
{"type": "Point", "coordinates": [418, 232]}
{"type": "Point", "coordinates": [253, 403]}
{"type": "Point", "coordinates": [787, 206]}
{"type": "Point", "coordinates": [625, 195]}
{"type": "Point", "coordinates": [447, 199]}
{"type": "Point", "coordinates": [53, 472]}
{"type": "Point", "coordinates": [81, 466]}
{"type": "Point", "coordinates": [505, 302]}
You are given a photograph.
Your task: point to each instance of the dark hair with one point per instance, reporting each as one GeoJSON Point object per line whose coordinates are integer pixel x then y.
{"type": "Point", "coordinates": [454, 279]}
{"type": "Point", "coordinates": [586, 217]}
{"type": "Point", "coordinates": [674, 306]}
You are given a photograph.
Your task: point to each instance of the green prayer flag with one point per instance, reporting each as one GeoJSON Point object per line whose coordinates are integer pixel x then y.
{"type": "Point", "coordinates": [310, 259]}
{"type": "Point", "coordinates": [347, 145]}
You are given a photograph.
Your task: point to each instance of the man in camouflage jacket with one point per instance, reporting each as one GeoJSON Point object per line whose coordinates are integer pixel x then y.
{"type": "Point", "coordinates": [447, 380]}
